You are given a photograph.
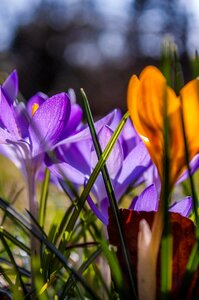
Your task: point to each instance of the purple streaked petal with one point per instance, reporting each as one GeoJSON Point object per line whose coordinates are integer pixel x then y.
{"type": "Point", "coordinates": [39, 98]}
{"type": "Point", "coordinates": [78, 155]}
{"type": "Point", "coordinates": [7, 116]}
{"type": "Point", "coordinates": [129, 137]}
{"type": "Point", "coordinates": [152, 176]}
{"type": "Point", "coordinates": [96, 211]}
{"type": "Point", "coordinates": [5, 136]}
{"type": "Point", "coordinates": [85, 133]}
{"type": "Point", "coordinates": [182, 207]}
{"type": "Point", "coordinates": [98, 189]}
{"type": "Point", "coordinates": [10, 87]}
{"type": "Point", "coordinates": [116, 119]}
{"type": "Point", "coordinates": [114, 162]}
{"type": "Point", "coordinates": [136, 162]}
{"type": "Point", "coordinates": [22, 119]}
{"type": "Point", "coordinates": [66, 171]}
{"type": "Point", "coordinates": [146, 201]}
{"type": "Point", "coordinates": [74, 121]}
{"type": "Point", "coordinates": [48, 123]}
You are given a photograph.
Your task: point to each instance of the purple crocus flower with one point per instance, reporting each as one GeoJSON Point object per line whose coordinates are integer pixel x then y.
{"type": "Point", "coordinates": [126, 164]}
{"type": "Point", "coordinates": [148, 201]}
{"type": "Point", "coordinates": [26, 134]}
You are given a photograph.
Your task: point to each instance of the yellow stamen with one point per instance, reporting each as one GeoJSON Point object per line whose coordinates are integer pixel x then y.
{"type": "Point", "coordinates": [35, 107]}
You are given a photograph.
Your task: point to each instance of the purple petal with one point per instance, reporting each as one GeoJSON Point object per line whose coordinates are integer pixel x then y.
{"type": "Point", "coordinates": [151, 176]}
{"type": "Point", "coordinates": [146, 201]}
{"type": "Point", "coordinates": [48, 123]}
{"type": "Point", "coordinates": [134, 165]}
{"type": "Point", "coordinates": [116, 119]}
{"type": "Point", "coordinates": [66, 171]}
{"type": "Point", "coordinates": [10, 87]}
{"type": "Point", "coordinates": [98, 189]}
{"type": "Point", "coordinates": [114, 162]}
{"type": "Point", "coordinates": [183, 207]}
{"type": "Point", "coordinates": [5, 136]}
{"type": "Point", "coordinates": [85, 133]}
{"type": "Point", "coordinates": [96, 211]}
{"type": "Point", "coordinates": [78, 155]}
{"type": "Point", "coordinates": [129, 137]}
{"type": "Point", "coordinates": [39, 98]}
{"type": "Point", "coordinates": [7, 116]}
{"type": "Point", "coordinates": [73, 122]}
{"type": "Point", "coordinates": [22, 119]}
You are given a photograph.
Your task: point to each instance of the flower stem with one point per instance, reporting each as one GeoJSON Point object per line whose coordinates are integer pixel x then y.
{"type": "Point", "coordinates": [33, 209]}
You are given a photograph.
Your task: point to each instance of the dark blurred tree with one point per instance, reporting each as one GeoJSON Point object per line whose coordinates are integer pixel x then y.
{"type": "Point", "coordinates": [76, 46]}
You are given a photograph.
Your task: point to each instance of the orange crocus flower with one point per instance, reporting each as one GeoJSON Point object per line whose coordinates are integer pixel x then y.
{"type": "Point", "coordinates": [146, 99]}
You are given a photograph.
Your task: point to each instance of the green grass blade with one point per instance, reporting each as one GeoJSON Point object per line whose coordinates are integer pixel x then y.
{"type": "Point", "coordinates": [15, 266]}
{"type": "Point", "coordinates": [14, 240]}
{"type": "Point", "coordinates": [71, 281]}
{"type": "Point", "coordinates": [43, 198]}
{"type": "Point", "coordinates": [192, 266]}
{"type": "Point", "coordinates": [38, 233]}
{"type": "Point", "coordinates": [111, 194]}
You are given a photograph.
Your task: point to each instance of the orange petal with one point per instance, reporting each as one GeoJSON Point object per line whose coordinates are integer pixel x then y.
{"type": "Point", "coordinates": [190, 105]}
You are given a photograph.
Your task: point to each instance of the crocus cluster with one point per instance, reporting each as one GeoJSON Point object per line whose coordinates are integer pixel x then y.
{"type": "Point", "coordinates": [31, 132]}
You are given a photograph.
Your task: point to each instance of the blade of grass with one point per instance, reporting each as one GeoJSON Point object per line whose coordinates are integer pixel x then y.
{"type": "Point", "coordinates": [23, 271]}
{"type": "Point", "coordinates": [71, 280]}
{"type": "Point", "coordinates": [38, 233]}
{"type": "Point", "coordinates": [43, 198]}
{"type": "Point", "coordinates": [14, 240]}
{"type": "Point", "coordinates": [111, 195]}
{"type": "Point", "coordinates": [192, 266]}
{"type": "Point", "coordinates": [15, 266]}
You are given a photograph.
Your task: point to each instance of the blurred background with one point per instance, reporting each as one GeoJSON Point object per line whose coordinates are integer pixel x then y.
{"type": "Point", "coordinates": [94, 44]}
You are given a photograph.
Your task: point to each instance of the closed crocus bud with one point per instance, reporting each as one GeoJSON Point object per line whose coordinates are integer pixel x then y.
{"type": "Point", "coordinates": [149, 101]}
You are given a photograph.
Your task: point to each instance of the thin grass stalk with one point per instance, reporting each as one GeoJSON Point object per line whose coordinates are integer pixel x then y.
{"type": "Point", "coordinates": [71, 280]}
{"type": "Point", "coordinates": [16, 268]}
{"type": "Point", "coordinates": [111, 196]}
{"type": "Point", "coordinates": [166, 243]}
{"type": "Point", "coordinates": [14, 240]}
{"type": "Point", "coordinates": [36, 232]}
{"type": "Point", "coordinates": [43, 198]}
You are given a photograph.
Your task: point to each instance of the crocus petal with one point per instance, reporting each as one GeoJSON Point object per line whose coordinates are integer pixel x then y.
{"type": "Point", "coordinates": [48, 122]}
{"type": "Point", "coordinates": [135, 163]}
{"type": "Point", "coordinates": [146, 201]}
{"type": "Point", "coordinates": [22, 119]}
{"type": "Point", "coordinates": [73, 122]}
{"type": "Point", "coordinates": [182, 207]}
{"type": "Point", "coordinates": [38, 98]}
{"type": "Point", "coordinates": [66, 171]}
{"type": "Point", "coordinates": [114, 162]}
{"type": "Point", "coordinates": [146, 98]}
{"type": "Point", "coordinates": [85, 133]}
{"type": "Point", "coordinates": [10, 87]}
{"type": "Point", "coordinates": [190, 105]}
{"type": "Point", "coordinates": [96, 211]}
{"type": "Point", "coordinates": [5, 136]}
{"type": "Point", "coordinates": [7, 116]}
{"type": "Point", "coordinates": [129, 137]}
